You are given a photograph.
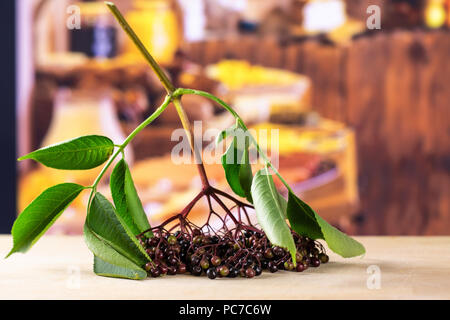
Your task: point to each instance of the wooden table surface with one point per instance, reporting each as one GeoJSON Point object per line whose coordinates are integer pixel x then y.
{"type": "Point", "coordinates": [60, 267]}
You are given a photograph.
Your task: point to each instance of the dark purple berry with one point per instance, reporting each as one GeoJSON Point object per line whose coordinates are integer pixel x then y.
{"type": "Point", "coordinates": [306, 261]}
{"type": "Point", "coordinates": [159, 254]}
{"type": "Point", "coordinates": [233, 273]}
{"type": "Point", "coordinates": [300, 267]}
{"type": "Point", "coordinates": [211, 273]}
{"type": "Point", "coordinates": [278, 251]}
{"type": "Point", "coordinates": [258, 256]}
{"type": "Point", "coordinates": [172, 260]}
{"type": "Point", "coordinates": [195, 259]}
{"type": "Point", "coordinates": [176, 248]}
{"type": "Point", "coordinates": [214, 239]}
{"type": "Point", "coordinates": [315, 262]}
{"type": "Point", "coordinates": [258, 270]}
{"type": "Point", "coordinates": [153, 242]}
{"type": "Point", "coordinates": [169, 252]}
{"type": "Point", "coordinates": [181, 268]}
{"type": "Point", "coordinates": [183, 256]}
{"type": "Point", "coordinates": [250, 273]}
{"type": "Point", "coordinates": [155, 272]}
{"type": "Point", "coordinates": [248, 263]}
{"type": "Point", "coordinates": [272, 267]}
{"type": "Point", "coordinates": [264, 264]}
{"type": "Point", "coordinates": [196, 270]}
{"type": "Point", "coordinates": [172, 271]}
{"type": "Point", "coordinates": [185, 245]}
{"type": "Point", "coordinates": [163, 269]}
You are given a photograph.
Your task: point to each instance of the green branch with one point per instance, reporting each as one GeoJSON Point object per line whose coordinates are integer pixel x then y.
{"type": "Point", "coordinates": [175, 95]}
{"type": "Point", "coordinates": [127, 28]}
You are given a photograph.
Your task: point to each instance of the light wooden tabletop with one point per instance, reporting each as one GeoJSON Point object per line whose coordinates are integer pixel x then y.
{"type": "Point", "coordinates": [59, 267]}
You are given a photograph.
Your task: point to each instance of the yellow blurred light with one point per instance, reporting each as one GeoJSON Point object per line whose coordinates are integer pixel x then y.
{"type": "Point", "coordinates": [435, 14]}
{"type": "Point", "coordinates": [236, 74]}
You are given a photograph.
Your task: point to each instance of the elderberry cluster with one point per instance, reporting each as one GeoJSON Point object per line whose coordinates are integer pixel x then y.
{"type": "Point", "coordinates": [244, 253]}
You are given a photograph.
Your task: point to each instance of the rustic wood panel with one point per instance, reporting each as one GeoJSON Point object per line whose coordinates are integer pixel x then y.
{"type": "Point", "coordinates": [325, 66]}
{"type": "Point", "coordinates": [393, 88]}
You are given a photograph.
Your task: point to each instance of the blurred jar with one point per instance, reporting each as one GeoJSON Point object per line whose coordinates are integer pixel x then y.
{"type": "Point", "coordinates": [156, 24]}
{"type": "Point", "coordinates": [78, 113]}
{"type": "Point", "coordinates": [96, 37]}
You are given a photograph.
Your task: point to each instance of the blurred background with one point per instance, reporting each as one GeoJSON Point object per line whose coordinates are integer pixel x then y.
{"type": "Point", "coordinates": [364, 115]}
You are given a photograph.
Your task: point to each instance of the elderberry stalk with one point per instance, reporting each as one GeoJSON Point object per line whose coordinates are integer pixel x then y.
{"type": "Point", "coordinates": [120, 236]}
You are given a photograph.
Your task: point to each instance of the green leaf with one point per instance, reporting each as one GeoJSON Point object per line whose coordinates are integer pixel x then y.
{"type": "Point", "coordinates": [246, 175]}
{"type": "Point", "coordinates": [231, 164]}
{"type": "Point", "coordinates": [104, 221]}
{"type": "Point", "coordinates": [126, 200]}
{"type": "Point", "coordinates": [302, 218]}
{"type": "Point", "coordinates": [236, 164]}
{"type": "Point", "coordinates": [109, 262]}
{"type": "Point", "coordinates": [40, 215]}
{"type": "Point", "coordinates": [283, 204]}
{"type": "Point", "coordinates": [105, 269]}
{"type": "Point", "coordinates": [81, 153]}
{"type": "Point", "coordinates": [269, 211]}
{"type": "Point", "coordinates": [305, 221]}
